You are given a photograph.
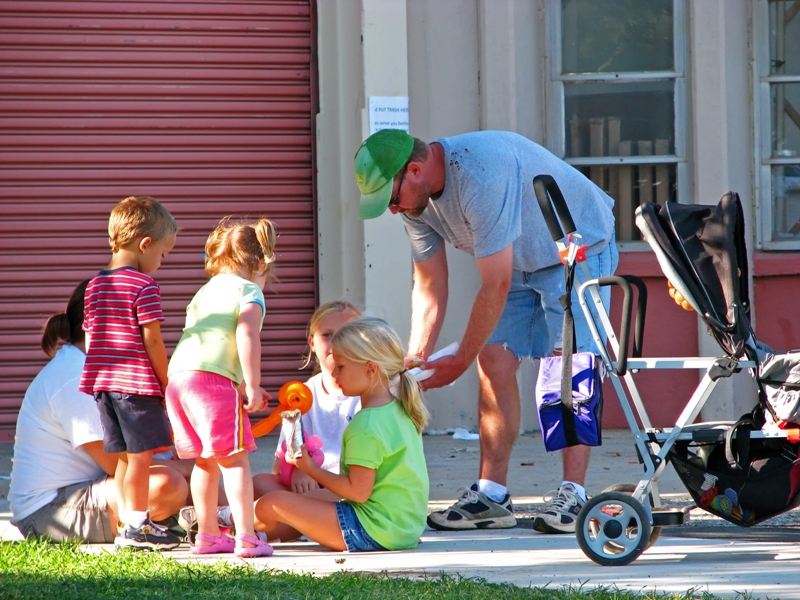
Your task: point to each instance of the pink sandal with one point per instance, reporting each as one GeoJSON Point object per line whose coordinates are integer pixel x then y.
{"type": "Point", "coordinates": [260, 547]}
{"type": "Point", "coordinates": [218, 545]}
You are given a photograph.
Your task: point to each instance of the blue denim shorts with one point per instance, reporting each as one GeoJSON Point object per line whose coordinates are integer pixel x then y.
{"type": "Point", "coordinates": [355, 537]}
{"type": "Point", "coordinates": [533, 318]}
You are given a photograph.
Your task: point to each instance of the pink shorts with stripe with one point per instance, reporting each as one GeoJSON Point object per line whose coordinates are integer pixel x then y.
{"type": "Point", "coordinates": [207, 416]}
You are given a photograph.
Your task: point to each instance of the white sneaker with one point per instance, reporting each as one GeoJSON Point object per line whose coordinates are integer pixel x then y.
{"type": "Point", "coordinates": [561, 511]}
{"type": "Point", "coordinates": [474, 510]}
{"type": "Point", "coordinates": [187, 519]}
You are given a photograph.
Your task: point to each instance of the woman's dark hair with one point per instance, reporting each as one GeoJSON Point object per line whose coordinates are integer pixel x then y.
{"type": "Point", "coordinates": [65, 326]}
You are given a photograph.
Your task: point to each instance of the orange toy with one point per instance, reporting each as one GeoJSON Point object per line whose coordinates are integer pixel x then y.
{"type": "Point", "coordinates": [293, 395]}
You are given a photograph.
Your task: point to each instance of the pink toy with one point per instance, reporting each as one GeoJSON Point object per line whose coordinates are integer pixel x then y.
{"type": "Point", "coordinates": [314, 447]}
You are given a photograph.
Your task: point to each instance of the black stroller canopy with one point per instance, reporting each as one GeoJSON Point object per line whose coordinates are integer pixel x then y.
{"type": "Point", "coordinates": [701, 249]}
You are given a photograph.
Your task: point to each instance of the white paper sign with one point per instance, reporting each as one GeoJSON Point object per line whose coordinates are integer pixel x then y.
{"type": "Point", "coordinates": [388, 112]}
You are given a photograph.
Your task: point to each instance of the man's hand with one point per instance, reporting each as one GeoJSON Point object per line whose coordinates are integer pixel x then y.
{"type": "Point", "coordinates": [448, 369]}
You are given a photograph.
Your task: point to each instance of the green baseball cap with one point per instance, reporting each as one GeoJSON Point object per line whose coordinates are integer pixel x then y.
{"type": "Point", "coordinates": [377, 161]}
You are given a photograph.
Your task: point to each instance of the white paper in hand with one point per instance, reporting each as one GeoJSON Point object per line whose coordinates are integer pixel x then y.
{"type": "Point", "coordinates": [421, 375]}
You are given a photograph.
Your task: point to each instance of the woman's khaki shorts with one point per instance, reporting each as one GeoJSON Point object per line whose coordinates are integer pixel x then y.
{"type": "Point", "coordinates": [78, 511]}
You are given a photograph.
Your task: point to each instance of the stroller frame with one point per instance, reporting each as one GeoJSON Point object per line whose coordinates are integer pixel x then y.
{"type": "Point", "coordinates": [617, 526]}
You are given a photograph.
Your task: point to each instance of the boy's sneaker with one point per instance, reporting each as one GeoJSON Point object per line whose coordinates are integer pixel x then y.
{"type": "Point", "coordinates": [172, 525]}
{"type": "Point", "coordinates": [147, 537]}
{"type": "Point", "coordinates": [560, 512]}
{"type": "Point", "coordinates": [474, 511]}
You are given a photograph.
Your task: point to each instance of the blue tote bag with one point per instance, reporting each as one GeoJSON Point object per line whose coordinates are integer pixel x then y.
{"type": "Point", "coordinates": [569, 394]}
{"type": "Point", "coordinates": [579, 424]}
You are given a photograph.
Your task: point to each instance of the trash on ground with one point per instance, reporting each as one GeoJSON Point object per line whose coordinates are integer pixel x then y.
{"type": "Point", "coordinates": [462, 433]}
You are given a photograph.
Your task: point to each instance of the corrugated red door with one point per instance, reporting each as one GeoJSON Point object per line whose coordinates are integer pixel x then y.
{"type": "Point", "coordinates": [207, 106]}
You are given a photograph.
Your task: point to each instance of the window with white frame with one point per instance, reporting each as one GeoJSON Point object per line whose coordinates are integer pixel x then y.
{"type": "Point", "coordinates": [618, 101]}
{"type": "Point", "coordinates": [778, 125]}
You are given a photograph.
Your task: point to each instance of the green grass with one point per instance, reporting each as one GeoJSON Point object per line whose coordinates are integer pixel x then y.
{"type": "Point", "coordinates": [42, 570]}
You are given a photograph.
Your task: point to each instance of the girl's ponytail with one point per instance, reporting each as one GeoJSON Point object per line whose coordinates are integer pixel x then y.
{"type": "Point", "coordinates": [65, 326]}
{"type": "Point", "coordinates": [408, 393]}
{"type": "Point", "coordinates": [266, 236]}
{"type": "Point", "coordinates": [235, 244]}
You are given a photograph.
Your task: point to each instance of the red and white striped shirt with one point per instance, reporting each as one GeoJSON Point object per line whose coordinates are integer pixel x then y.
{"type": "Point", "coordinates": [117, 304]}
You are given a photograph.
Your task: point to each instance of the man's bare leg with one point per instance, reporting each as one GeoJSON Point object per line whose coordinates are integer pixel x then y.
{"type": "Point", "coordinates": [576, 463]}
{"type": "Point", "coordinates": [498, 422]}
{"type": "Point", "coordinates": [498, 410]}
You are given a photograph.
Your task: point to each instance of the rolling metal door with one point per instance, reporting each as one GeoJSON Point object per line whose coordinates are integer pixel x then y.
{"type": "Point", "coordinates": [207, 106]}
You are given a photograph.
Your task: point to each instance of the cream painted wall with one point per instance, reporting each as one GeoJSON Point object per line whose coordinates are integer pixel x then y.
{"type": "Point", "coordinates": [338, 129]}
{"type": "Point", "coordinates": [721, 145]}
{"type": "Point", "coordinates": [445, 100]}
{"type": "Point", "coordinates": [362, 52]}
{"type": "Point", "coordinates": [473, 65]}
{"type": "Point", "coordinates": [387, 254]}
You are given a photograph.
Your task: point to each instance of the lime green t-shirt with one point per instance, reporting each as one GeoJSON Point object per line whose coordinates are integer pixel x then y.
{"type": "Point", "coordinates": [386, 440]}
{"type": "Point", "coordinates": [209, 338]}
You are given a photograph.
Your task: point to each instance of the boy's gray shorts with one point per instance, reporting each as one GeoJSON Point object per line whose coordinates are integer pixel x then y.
{"type": "Point", "coordinates": [78, 511]}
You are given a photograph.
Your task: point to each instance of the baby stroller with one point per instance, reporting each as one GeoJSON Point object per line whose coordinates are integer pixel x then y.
{"type": "Point", "coordinates": [744, 471]}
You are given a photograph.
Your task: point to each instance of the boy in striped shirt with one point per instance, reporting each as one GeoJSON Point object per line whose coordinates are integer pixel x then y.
{"type": "Point", "coordinates": [126, 360]}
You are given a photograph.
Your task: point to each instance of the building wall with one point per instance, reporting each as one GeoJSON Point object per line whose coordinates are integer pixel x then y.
{"type": "Point", "coordinates": [721, 144]}
{"type": "Point", "coordinates": [480, 64]}
{"type": "Point", "coordinates": [443, 40]}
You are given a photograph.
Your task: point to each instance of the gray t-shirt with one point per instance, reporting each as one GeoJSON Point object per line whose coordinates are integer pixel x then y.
{"type": "Point", "coordinates": [488, 202]}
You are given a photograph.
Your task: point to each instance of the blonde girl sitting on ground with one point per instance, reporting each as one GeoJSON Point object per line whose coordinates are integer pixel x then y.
{"type": "Point", "coordinates": [328, 417]}
{"type": "Point", "coordinates": [219, 351]}
{"type": "Point", "coordinates": [383, 486]}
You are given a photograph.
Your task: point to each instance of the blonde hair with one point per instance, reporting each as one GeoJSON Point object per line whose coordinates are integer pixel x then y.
{"type": "Point", "coordinates": [369, 339]}
{"type": "Point", "coordinates": [137, 217]}
{"type": "Point", "coordinates": [329, 308]}
{"type": "Point", "coordinates": [240, 244]}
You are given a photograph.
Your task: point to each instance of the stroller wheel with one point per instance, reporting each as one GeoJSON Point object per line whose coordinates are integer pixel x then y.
{"type": "Point", "coordinates": [629, 488]}
{"type": "Point", "coordinates": [613, 529]}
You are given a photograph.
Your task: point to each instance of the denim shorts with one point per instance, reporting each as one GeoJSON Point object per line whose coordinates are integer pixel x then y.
{"type": "Point", "coordinates": [355, 537]}
{"type": "Point", "coordinates": [533, 318]}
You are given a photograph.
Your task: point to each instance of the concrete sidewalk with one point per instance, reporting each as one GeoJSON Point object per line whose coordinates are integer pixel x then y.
{"type": "Point", "coordinates": [706, 554]}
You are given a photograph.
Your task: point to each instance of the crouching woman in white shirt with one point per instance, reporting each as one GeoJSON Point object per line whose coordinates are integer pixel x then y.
{"type": "Point", "coordinates": [62, 481]}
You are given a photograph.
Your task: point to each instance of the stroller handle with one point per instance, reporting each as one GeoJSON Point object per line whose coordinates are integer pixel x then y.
{"type": "Point", "coordinates": [548, 195]}
{"type": "Point", "coordinates": [625, 282]}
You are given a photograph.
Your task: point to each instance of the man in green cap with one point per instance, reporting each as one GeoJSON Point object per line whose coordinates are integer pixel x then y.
{"type": "Point", "coordinates": [475, 191]}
